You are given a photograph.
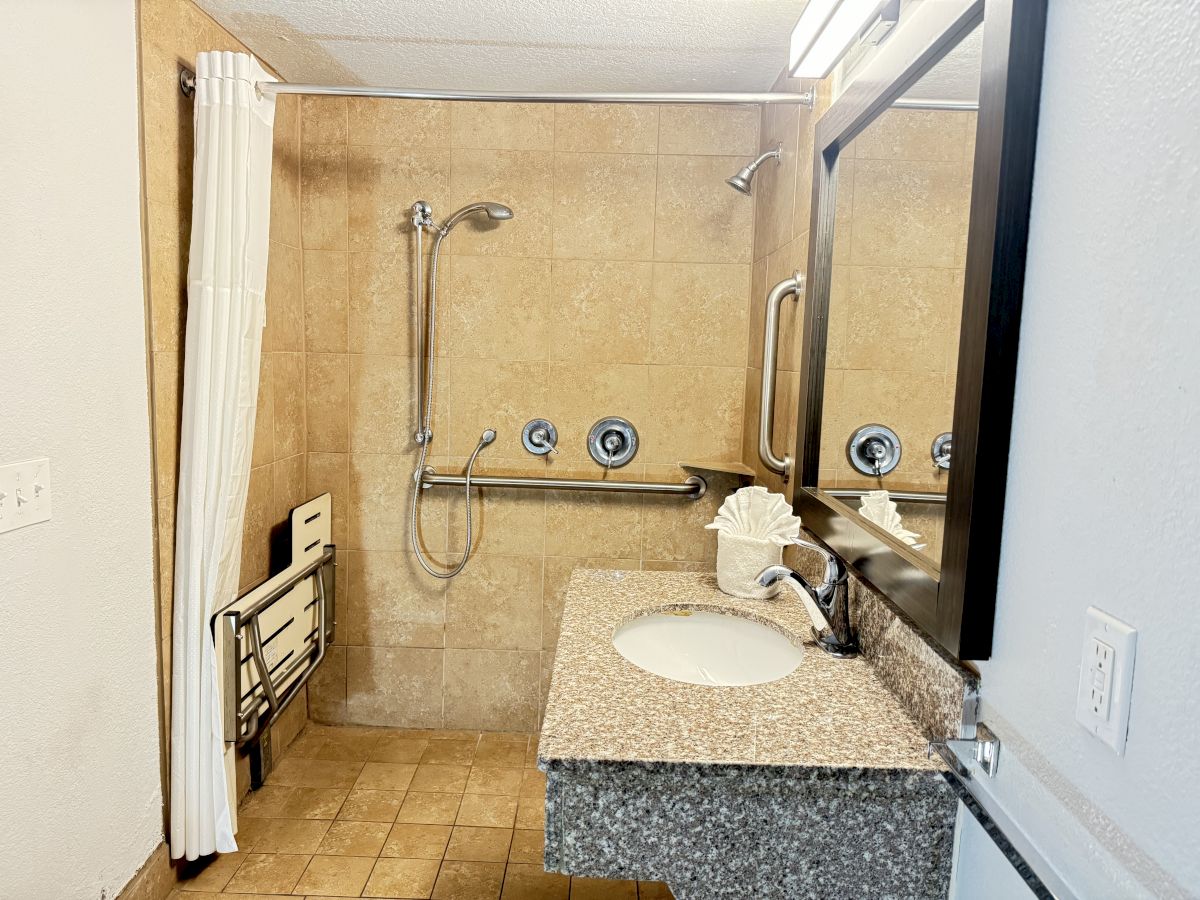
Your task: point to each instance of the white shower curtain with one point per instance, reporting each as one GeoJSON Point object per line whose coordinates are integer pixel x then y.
{"type": "Point", "coordinates": [227, 276]}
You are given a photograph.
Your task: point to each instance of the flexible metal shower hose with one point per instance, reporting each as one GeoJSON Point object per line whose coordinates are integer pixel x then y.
{"type": "Point", "coordinates": [413, 519]}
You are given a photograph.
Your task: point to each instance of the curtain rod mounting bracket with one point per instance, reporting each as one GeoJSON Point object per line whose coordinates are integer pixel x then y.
{"type": "Point", "coordinates": [187, 82]}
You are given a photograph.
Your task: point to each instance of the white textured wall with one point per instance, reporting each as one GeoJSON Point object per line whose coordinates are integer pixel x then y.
{"type": "Point", "coordinates": [80, 805]}
{"type": "Point", "coordinates": [1103, 498]}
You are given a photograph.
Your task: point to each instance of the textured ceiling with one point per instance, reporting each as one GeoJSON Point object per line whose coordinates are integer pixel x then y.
{"type": "Point", "coordinates": [956, 76]}
{"type": "Point", "coordinates": [532, 45]}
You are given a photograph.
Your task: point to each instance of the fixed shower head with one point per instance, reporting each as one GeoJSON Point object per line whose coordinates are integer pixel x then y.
{"type": "Point", "coordinates": [496, 212]}
{"type": "Point", "coordinates": [741, 181]}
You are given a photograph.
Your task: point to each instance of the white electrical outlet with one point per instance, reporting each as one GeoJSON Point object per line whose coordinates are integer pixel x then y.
{"type": "Point", "coordinates": [24, 494]}
{"type": "Point", "coordinates": [1106, 678]}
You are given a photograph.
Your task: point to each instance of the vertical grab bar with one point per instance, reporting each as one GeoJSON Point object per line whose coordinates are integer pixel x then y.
{"type": "Point", "coordinates": [790, 287]}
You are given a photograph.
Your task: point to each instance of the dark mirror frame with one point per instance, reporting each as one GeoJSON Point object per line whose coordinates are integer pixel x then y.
{"type": "Point", "coordinates": [955, 606]}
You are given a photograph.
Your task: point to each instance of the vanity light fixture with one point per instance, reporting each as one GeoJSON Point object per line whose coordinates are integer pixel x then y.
{"type": "Point", "coordinates": [826, 30]}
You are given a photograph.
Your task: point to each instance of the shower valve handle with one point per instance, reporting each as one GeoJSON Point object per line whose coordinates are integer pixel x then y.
{"type": "Point", "coordinates": [612, 442]}
{"type": "Point", "coordinates": [540, 438]}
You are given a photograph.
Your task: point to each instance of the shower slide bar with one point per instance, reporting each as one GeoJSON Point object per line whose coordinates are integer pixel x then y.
{"type": "Point", "coordinates": [187, 84]}
{"type": "Point", "coordinates": [692, 488]}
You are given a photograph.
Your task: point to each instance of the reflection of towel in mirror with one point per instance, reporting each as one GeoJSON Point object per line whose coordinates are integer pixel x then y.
{"type": "Point", "coordinates": [880, 509]}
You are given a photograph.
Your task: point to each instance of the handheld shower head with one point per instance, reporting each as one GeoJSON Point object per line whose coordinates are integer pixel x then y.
{"type": "Point", "coordinates": [742, 180]}
{"type": "Point", "coordinates": [496, 212]}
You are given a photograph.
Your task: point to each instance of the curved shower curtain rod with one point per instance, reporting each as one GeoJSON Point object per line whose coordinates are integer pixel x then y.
{"type": "Point", "coordinates": [187, 84]}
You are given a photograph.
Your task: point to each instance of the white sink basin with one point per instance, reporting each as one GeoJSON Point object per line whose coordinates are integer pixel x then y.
{"type": "Point", "coordinates": [707, 648]}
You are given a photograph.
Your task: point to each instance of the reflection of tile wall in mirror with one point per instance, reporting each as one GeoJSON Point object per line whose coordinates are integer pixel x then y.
{"type": "Point", "coordinates": [903, 204]}
{"type": "Point", "coordinates": [928, 520]}
{"type": "Point", "coordinates": [895, 307]}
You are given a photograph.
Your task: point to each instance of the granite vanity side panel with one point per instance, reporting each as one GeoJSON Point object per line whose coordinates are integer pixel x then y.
{"type": "Point", "coordinates": [766, 832]}
{"type": "Point", "coordinates": [557, 785]}
{"type": "Point", "coordinates": [936, 690]}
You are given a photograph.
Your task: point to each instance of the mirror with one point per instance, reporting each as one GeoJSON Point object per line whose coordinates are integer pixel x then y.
{"type": "Point", "coordinates": [895, 305]}
{"type": "Point", "coordinates": [922, 174]}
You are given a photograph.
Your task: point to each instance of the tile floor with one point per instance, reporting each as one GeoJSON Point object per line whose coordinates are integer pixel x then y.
{"type": "Point", "coordinates": [373, 812]}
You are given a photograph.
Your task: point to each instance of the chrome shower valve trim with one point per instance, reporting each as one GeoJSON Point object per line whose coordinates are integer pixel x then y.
{"type": "Point", "coordinates": [874, 450]}
{"type": "Point", "coordinates": [540, 437]}
{"type": "Point", "coordinates": [612, 442]}
{"type": "Point", "coordinates": [941, 450]}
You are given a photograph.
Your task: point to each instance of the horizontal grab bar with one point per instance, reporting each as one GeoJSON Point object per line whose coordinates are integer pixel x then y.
{"type": "Point", "coordinates": [790, 287]}
{"type": "Point", "coordinates": [692, 488]}
{"type": "Point", "coordinates": [898, 496]}
{"type": "Point", "coordinates": [982, 757]}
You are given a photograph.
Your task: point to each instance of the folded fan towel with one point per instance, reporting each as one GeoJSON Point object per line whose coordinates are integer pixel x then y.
{"type": "Point", "coordinates": [755, 512]}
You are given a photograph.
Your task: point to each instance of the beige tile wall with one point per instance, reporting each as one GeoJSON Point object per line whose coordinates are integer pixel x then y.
{"type": "Point", "coordinates": [172, 32]}
{"type": "Point", "coordinates": [620, 287]}
{"type": "Point", "coordinates": [783, 195]}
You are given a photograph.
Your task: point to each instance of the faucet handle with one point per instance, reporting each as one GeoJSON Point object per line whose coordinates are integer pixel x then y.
{"type": "Point", "coordinates": [835, 569]}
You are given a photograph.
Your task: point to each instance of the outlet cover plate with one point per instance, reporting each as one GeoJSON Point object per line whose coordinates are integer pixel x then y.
{"type": "Point", "coordinates": [24, 494]}
{"type": "Point", "coordinates": [1106, 678]}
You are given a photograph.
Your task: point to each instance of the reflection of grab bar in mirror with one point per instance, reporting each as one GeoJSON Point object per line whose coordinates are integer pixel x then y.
{"type": "Point", "coordinates": [789, 287]}
{"type": "Point", "coordinates": [953, 105]}
{"type": "Point", "coordinates": [898, 496]}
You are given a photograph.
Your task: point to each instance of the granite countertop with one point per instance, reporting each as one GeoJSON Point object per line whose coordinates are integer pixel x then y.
{"type": "Point", "coordinates": [829, 713]}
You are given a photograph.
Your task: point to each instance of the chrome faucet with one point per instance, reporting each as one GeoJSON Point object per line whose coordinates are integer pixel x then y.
{"type": "Point", "coordinates": [831, 596]}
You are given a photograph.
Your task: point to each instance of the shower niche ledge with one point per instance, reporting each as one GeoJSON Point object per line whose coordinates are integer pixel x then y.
{"type": "Point", "coordinates": [816, 783]}
{"type": "Point", "coordinates": [717, 465]}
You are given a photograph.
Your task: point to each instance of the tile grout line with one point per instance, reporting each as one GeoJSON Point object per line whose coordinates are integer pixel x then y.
{"type": "Point", "coordinates": [346, 188]}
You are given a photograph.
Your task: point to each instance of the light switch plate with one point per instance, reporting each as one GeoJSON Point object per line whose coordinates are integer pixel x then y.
{"type": "Point", "coordinates": [1106, 678]}
{"type": "Point", "coordinates": [24, 494]}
